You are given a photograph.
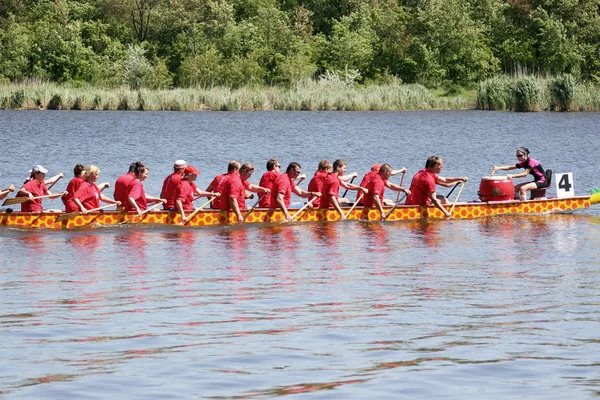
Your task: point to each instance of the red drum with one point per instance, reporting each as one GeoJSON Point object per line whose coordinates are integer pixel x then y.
{"type": "Point", "coordinates": [496, 188]}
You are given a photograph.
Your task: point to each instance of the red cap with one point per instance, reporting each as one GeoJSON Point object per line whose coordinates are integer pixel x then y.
{"type": "Point", "coordinates": [375, 167]}
{"type": "Point", "coordinates": [191, 170]}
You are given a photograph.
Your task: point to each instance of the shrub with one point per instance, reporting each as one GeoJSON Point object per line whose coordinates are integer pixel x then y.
{"type": "Point", "coordinates": [562, 92]}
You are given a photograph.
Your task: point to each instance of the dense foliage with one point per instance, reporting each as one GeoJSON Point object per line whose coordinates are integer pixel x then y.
{"type": "Point", "coordinates": [234, 43]}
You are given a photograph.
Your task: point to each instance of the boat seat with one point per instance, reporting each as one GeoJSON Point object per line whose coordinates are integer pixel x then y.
{"type": "Point", "coordinates": [540, 193]}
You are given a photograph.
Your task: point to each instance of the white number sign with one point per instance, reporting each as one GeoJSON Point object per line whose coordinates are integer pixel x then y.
{"type": "Point", "coordinates": [564, 185]}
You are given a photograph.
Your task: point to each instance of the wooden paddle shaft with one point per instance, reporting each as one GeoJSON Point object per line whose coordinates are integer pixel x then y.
{"type": "Point", "coordinates": [302, 209]}
{"type": "Point", "coordinates": [189, 217]}
{"type": "Point", "coordinates": [456, 200]}
{"type": "Point", "coordinates": [355, 204]}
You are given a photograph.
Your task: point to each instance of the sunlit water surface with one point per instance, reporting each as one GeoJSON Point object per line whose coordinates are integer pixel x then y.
{"type": "Point", "coordinates": [490, 308]}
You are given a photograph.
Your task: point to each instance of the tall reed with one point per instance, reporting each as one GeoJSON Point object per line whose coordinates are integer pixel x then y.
{"type": "Point", "coordinates": [306, 95]}
{"type": "Point", "coordinates": [528, 93]}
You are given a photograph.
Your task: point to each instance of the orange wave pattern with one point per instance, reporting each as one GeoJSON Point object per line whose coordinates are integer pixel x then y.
{"type": "Point", "coordinates": [261, 216]}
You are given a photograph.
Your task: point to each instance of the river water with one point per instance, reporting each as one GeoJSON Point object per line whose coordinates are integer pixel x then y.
{"type": "Point", "coordinates": [490, 308]}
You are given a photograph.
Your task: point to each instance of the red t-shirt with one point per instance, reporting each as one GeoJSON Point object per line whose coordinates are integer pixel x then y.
{"type": "Point", "coordinates": [89, 196]}
{"type": "Point", "coordinates": [368, 176]}
{"type": "Point", "coordinates": [421, 186]}
{"type": "Point", "coordinates": [37, 189]}
{"type": "Point", "coordinates": [267, 181]}
{"type": "Point", "coordinates": [217, 186]}
{"type": "Point", "coordinates": [185, 193]}
{"type": "Point", "coordinates": [136, 190]}
{"type": "Point", "coordinates": [168, 189]}
{"type": "Point", "coordinates": [376, 187]}
{"type": "Point", "coordinates": [233, 189]}
{"type": "Point", "coordinates": [316, 185]}
{"type": "Point", "coordinates": [331, 187]}
{"type": "Point", "coordinates": [121, 185]}
{"type": "Point", "coordinates": [67, 199]}
{"type": "Point", "coordinates": [283, 184]}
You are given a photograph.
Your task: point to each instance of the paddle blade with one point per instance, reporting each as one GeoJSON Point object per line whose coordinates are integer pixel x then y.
{"type": "Point", "coordinates": [15, 200]}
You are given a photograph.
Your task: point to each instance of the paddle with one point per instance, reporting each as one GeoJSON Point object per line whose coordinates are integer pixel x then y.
{"type": "Point", "coordinates": [456, 200]}
{"type": "Point", "coordinates": [398, 202]}
{"type": "Point", "coordinates": [58, 178]}
{"type": "Point", "coordinates": [189, 217]}
{"type": "Point", "coordinates": [143, 213]}
{"type": "Point", "coordinates": [457, 183]}
{"type": "Point", "coordinates": [346, 192]}
{"type": "Point", "coordinates": [401, 182]}
{"type": "Point", "coordinates": [355, 203]}
{"type": "Point", "coordinates": [303, 207]}
{"type": "Point", "coordinates": [253, 207]}
{"type": "Point", "coordinates": [19, 200]}
{"type": "Point", "coordinates": [65, 216]}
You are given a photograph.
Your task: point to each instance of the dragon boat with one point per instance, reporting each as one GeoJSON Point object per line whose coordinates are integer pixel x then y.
{"type": "Point", "coordinates": [204, 218]}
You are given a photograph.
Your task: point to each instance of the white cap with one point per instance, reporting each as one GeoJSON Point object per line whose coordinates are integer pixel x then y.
{"type": "Point", "coordinates": [38, 168]}
{"type": "Point", "coordinates": [180, 164]}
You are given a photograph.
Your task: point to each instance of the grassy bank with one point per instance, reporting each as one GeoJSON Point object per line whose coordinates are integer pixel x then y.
{"type": "Point", "coordinates": [305, 96]}
{"type": "Point", "coordinates": [561, 93]}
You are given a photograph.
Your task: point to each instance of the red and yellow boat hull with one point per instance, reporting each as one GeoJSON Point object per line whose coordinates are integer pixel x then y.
{"type": "Point", "coordinates": [263, 216]}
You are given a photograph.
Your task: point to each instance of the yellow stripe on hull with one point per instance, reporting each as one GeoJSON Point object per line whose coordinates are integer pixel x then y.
{"type": "Point", "coordinates": [261, 216]}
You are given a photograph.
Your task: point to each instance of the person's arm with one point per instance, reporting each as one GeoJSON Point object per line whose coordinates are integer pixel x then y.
{"type": "Point", "coordinates": [399, 171]}
{"type": "Point", "coordinates": [503, 168]}
{"type": "Point", "coordinates": [134, 205]}
{"type": "Point", "coordinates": [258, 189]}
{"type": "Point", "coordinates": [351, 186]}
{"type": "Point", "coordinates": [447, 182]}
{"type": "Point", "coordinates": [51, 181]}
{"type": "Point", "coordinates": [80, 205]}
{"type": "Point", "coordinates": [179, 206]}
{"type": "Point", "coordinates": [24, 193]}
{"type": "Point", "coordinates": [233, 205]}
{"type": "Point", "coordinates": [108, 200]}
{"type": "Point", "coordinates": [102, 186]}
{"type": "Point", "coordinates": [152, 199]}
{"type": "Point", "coordinates": [305, 193]}
{"type": "Point", "coordinates": [396, 188]}
{"type": "Point", "coordinates": [436, 202]}
{"type": "Point", "coordinates": [346, 178]}
{"type": "Point", "coordinates": [520, 174]}
{"type": "Point", "coordinates": [281, 204]}
{"type": "Point", "coordinates": [202, 193]}
{"type": "Point", "coordinates": [6, 191]}
{"type": "Point", "coordinates": [378, 204]}
{"type": "Point", "coordinates": [336, 204]}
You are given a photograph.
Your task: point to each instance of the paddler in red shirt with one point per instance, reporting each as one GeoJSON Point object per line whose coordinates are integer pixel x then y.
{"type": "Point", "coordinates": [35, 187]}
{"type": "Point", "coordinates": [267, 180]}
{"type": "Point", "coordinates": [187, 189]}
{"type": "Point", "coordinates": [374, 171]}
{"type": "Point", "coordinates": [246, 171]}
{"type": "Point", "coordinates": [376, 187]}
{"type": "Point", "coordinates": [88, 195]}
{"type": "Point", "coordinates": [317, 181]}
{"type": "Point", "coordinates": [331, 187]}
{"type": "Point", "coordinates": [281, 193]}
{"type": "Point", "coordinates": [74, 183]}
{"type": "Point", "coordinates": [424, 182]}
{"type": "Point", "coordinates": [233, 194]}
{"type": "Point", "coordinates": [137, 199]}
{"type": "Point", "coordinates": [123, 182]}
{"type": "Point", "coordinates": [170, 184]}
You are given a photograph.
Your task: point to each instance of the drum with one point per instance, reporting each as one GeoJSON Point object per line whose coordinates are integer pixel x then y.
{"type": "Point", "coordinates": [496, 188]}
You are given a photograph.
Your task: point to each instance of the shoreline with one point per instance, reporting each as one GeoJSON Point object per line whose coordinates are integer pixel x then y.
{"type": "Point", "coordinates": [496, 94]}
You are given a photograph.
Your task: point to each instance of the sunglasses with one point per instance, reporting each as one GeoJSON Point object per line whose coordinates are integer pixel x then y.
{"type": "Point", "coordinates": [520, 155]}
